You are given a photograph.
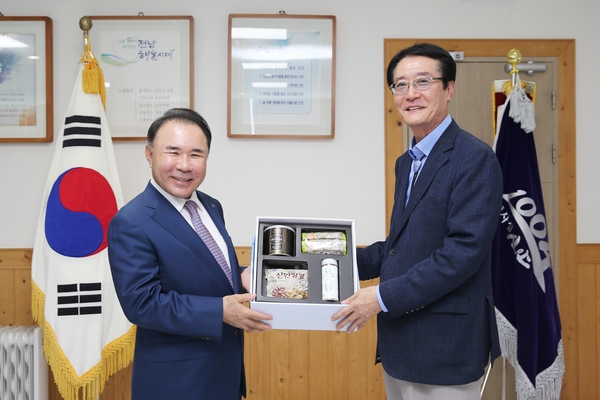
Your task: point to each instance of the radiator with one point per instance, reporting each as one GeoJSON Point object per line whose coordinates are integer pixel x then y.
{"type": "Point", "coordinates": [23, 369]}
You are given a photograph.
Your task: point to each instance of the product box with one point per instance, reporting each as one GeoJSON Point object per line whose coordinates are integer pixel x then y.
{"type": "Point", "coordinates": [287, 274]}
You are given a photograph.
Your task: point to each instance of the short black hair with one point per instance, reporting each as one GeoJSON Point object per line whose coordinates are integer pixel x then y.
{"type": "Point", "coordinates": [179, 115]}
{"type": "Point", "coordinates": [445, 60]}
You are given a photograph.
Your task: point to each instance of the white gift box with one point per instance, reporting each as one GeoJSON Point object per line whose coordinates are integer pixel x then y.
{"type": "Point", "coordinates": [296, 303]}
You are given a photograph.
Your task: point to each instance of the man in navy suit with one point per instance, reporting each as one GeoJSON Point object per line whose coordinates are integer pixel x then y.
{"type": "Point", "coordinates": [434, 306]}
{"type": "Point", "coordinates": [189, 314]}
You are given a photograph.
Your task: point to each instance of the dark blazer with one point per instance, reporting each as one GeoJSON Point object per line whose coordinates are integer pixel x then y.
{"type": "Point", "coordinates": [171, 287]}
{"type": "Point", "coordinates": [435, 265]}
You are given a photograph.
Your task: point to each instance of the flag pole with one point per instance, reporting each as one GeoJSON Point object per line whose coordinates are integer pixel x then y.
{"type": "Point", "coordinates": [513, 57]}
{"type": "Point", "coordinates": [487, 375]}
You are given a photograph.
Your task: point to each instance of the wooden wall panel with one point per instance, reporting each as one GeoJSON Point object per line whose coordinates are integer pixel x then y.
{"type": "Point", "coordinates": [281, 364]}
{"type": "Point", "coordinates": [7, 297]}
{"type": "Point", "coordinates": [595, 332]}
{"type": "Point", "coordinates": [15, 287]}
{"type": "Point", "coordinates": [586, 322]}
{"type": "Point", "coordinates": [300, 365]}
{"type": "Point", "coordinates": [587, 325]}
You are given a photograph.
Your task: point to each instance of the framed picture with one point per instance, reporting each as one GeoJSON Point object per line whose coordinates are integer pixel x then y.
{"type": "Point", "coordinates": [148, 65]}
{"type": "Point", "coordinates": [281, 80]}
{"type": "Point", "coordinates": [26, 79]}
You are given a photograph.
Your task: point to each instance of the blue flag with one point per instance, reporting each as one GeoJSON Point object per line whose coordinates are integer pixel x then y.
{"type": "Point", "coordinates": [523, 285]}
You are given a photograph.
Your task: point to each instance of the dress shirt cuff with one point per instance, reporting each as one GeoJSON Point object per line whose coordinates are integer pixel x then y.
{"type": "Point", "coordinates": [383, 308]}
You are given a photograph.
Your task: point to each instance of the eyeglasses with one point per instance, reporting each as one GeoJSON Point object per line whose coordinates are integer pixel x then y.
{"type": "Point", "coordinates": [420, 84]}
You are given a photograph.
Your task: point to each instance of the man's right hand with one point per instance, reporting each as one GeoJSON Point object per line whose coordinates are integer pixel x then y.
{"type": "Point", "coordinates": [236, 313]}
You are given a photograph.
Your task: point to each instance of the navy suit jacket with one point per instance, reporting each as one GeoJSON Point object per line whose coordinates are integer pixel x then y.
{"type": "Point", "coordinates": [435, 265]}
{"type": "Point", "coordinates": [172, 288]}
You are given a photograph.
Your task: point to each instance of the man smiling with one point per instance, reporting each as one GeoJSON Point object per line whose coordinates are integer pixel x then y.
{"type": "Point", "coordinates": [177, 276]}
{"type": "Point", "coordinates": [434, 306]}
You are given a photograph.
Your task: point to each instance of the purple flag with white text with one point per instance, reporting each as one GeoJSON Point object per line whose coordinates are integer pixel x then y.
{"type": "Point", "coordinates": [523, 284]}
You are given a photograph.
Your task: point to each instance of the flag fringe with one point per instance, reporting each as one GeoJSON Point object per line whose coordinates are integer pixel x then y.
{"type": "Point", "coordinates": [115, 356]}
{"type": "Point", "coordinates": [548, 383]}
{"type": "Point", "coordinates": [37, 303]}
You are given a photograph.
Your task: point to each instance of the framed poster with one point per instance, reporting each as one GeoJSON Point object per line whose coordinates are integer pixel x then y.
{"type": "Point", "coordinates": [281, 80]}
{"type": "Point", "coordinates": [148, 65]}
{"type": "Point", "coordinates": [26, 79]}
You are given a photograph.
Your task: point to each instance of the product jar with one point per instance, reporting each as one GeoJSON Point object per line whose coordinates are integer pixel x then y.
{"type": "Point", "coordinates": [329, 279]}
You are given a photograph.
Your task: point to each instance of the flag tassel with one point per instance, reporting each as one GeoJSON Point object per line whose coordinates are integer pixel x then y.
{"type": "Point", "coordinates": [92, 76]}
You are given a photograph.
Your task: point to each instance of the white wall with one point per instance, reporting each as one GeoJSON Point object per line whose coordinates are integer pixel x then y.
{"type": "Point", "coordinates": [339, 178]}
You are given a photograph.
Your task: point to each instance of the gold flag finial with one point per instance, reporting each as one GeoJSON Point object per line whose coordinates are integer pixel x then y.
{"type": "Point", "coordinates": [513, 58]}
{"type": "Point", "coordinates": [85, 23]}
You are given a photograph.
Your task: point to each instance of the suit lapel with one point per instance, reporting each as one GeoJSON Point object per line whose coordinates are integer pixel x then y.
{"type": "Point", "coordinates": [435, 160]}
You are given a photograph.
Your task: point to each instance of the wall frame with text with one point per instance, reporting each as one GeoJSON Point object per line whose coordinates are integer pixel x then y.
{"type": "Point", "coordinates": [148, 65]}
{"type": "Point", "coordinates": [26, 88]}
{"type": "Point", "coordinates": [281, 81]}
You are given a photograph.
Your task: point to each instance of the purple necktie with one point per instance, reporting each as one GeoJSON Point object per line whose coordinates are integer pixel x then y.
{"type": "Point", "coordinates": [417, 155]}
{"type": "Point", "coordinates": [208, 239]}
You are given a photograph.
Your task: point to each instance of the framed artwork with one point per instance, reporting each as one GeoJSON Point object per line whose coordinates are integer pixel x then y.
{"type": "Point", "coordinates": [26, 103]}
{"type": "Point", "coordinates": [281, 81]}
{"type": "Point", "coordinates": [148, 65]}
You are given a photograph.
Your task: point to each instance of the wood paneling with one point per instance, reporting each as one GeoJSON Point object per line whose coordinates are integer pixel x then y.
{"type": "Point", "coordinates": [15, 287]}
{"type": "Point", "coordinates": [299, 365]}
{"type": "Point", "coordinates": [587, 321]}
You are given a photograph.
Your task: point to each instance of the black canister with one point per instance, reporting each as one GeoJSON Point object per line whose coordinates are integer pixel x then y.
{"type": "Point", "coordinates": [280, 240]}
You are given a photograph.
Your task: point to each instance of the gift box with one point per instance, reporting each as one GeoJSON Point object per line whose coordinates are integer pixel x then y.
{"type": "Point", "coordinates": [288, 275]}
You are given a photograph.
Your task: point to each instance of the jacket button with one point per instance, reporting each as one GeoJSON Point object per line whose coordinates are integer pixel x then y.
{"type": "Point", "coordinates": [392, 252]}
{"type": "Point", "coordinates": [237, 332]}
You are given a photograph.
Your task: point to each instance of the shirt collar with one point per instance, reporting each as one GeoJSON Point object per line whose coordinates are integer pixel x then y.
{"type": "Point", "coordinates": [427, 143]}
{"type": "Point", "coordinates": [177, 202]}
